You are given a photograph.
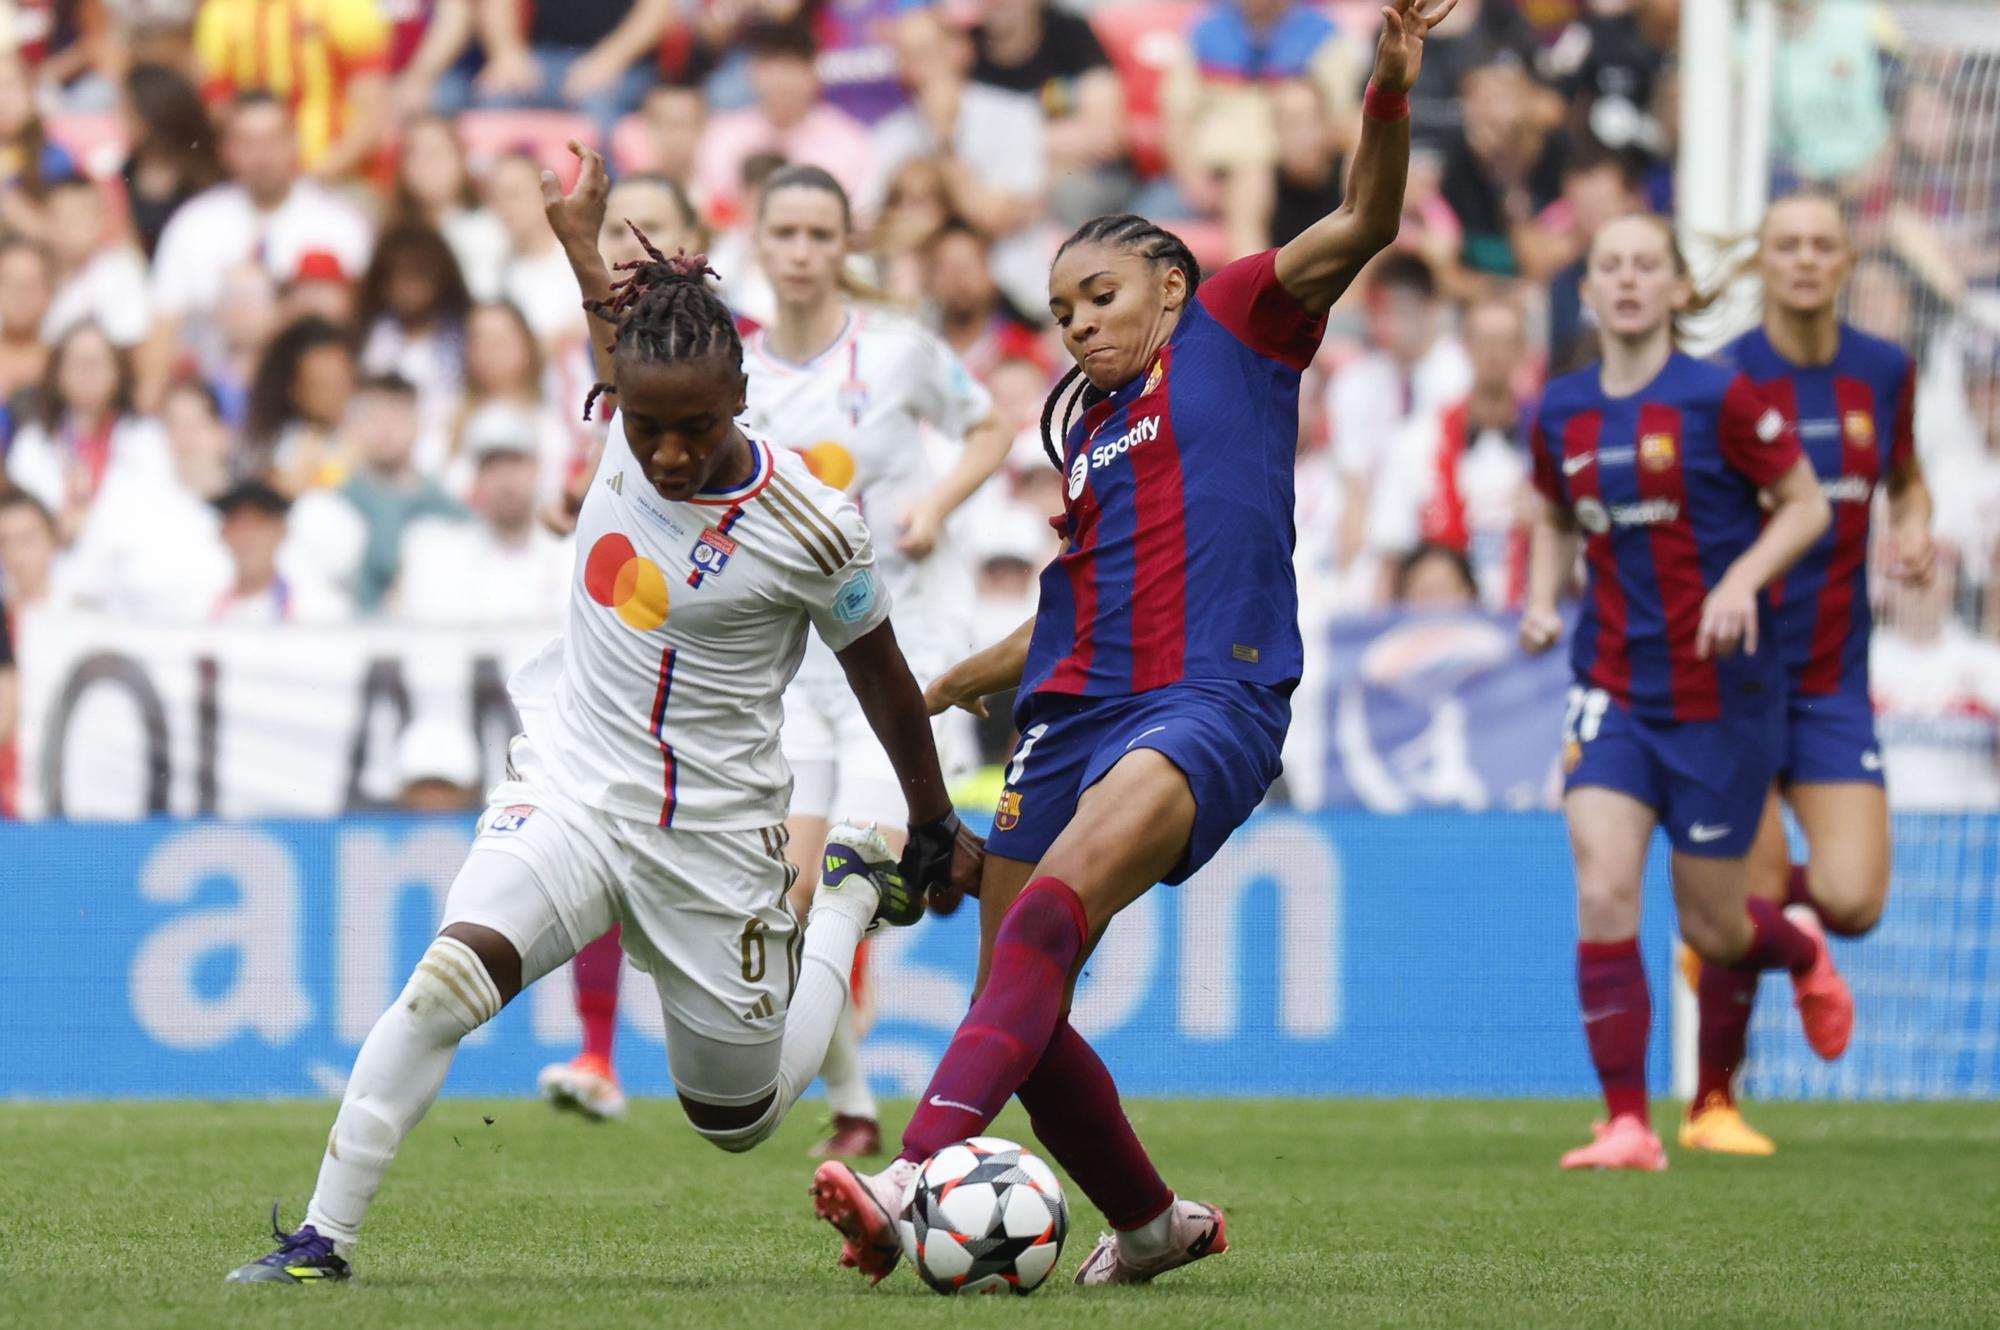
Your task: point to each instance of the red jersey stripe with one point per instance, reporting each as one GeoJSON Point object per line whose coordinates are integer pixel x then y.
{"type": "Point", "coordinates": [1159, 582]}
{"type": "Point", "coordinates": [1833, 619]}
{"type": "Point", "coordinates": [1696, 686]}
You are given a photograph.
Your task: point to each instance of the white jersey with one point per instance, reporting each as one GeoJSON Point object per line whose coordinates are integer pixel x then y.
{"type": "Point", "coordinates": [1937, 718]}
{"type": "Point", "coordinates": [661, 701]}
{"type": "Point", "coordinates": [856, 412]}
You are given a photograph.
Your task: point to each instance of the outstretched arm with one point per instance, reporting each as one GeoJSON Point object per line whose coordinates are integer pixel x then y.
{"type": "Point", "coordinates": [969, 683]}
{"type": "Point", "coordinates": [942, 859]}
{"type": "Point", "coordinates": [1318, 266]}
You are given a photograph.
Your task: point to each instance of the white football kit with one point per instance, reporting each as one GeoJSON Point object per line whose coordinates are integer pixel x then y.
{"type": "Point", "coordinates": [857, 412]}
{"type": "Point", "coordinates": [648, 787]}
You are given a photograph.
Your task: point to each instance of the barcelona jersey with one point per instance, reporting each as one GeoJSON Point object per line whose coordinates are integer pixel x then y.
{"type": "Point", "coordinates": [1177, 517]}
{"type": "Point", "coordinates": [1853, 417]}
{"type": "Point", "coordinates": [1664, 484]}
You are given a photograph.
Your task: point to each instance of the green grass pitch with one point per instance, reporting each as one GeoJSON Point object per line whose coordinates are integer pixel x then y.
{"type": "Point", "coordinates": [1342, 1214]}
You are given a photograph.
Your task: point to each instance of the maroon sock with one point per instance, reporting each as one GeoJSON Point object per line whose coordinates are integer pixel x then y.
{"type": "Point", "coordinates": [1617, 1013]}
{"type": "Point", "coordinates": [595, 974]}
{"type": "Point", "coordinates": [1726, 995]}
{"type": "Point", "coordinates": [1073, 1107]}
{"type": "Point", "coordinates": [1002, 1037]}
{"type": "Point", "coordinates": [1776, 943]}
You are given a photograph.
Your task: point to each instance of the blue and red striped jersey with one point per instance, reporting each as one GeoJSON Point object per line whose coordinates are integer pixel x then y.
{"type": "Point", "coordinates": [1177, 521]}
{"type": "Point", "coordinates": [1664, 484]}
{"type": "Point", "coordinates": [1853, 416]}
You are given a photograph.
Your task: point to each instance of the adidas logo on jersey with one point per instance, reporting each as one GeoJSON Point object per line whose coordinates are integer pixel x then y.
{"type": "Point", "coordinates": [1144, 431]}
{"type": "Point", "coordinates": [615, 482]}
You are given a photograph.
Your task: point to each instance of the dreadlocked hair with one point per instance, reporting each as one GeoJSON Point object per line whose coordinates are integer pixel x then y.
{"type": "Point", "coordinates": [663, 310]}
{"type": "Point", "coordinates": [1134, 235]}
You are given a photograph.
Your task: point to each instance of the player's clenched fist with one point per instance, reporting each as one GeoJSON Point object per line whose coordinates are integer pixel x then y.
{"type": "Point", "coordinates": [943, 860]}
{"type": "Point", "coordinates": [1540, 630]}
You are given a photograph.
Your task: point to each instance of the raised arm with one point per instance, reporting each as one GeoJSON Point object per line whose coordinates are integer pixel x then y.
{"type": "Point", "coordinates": [1318, 266]}
{"type": "Point", "coordinates": [577, 218]}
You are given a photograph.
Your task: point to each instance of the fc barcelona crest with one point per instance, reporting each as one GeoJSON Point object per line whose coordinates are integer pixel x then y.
{"type": "Point", "coordinates": [1656, 452]}
{"type": "Point", "coordinates": [1008, 815]}
{"type": "Point", "coordinates": [1859, 427]}
{"type": "Point", "coordinates": [1153, 378]}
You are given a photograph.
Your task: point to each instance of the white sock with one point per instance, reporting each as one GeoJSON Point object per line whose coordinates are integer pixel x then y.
{"type": "Point", "coordinates": [1149, 1240]}
{"type": "Point", "coordinates": [819, 1004]}
{"type": "Point", "coordinates": [847, 1090]}
{"type": "Point", "coordinates": [396, 1078]}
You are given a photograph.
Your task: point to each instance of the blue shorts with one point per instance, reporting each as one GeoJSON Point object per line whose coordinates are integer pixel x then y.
{"type": "Point", "coordinates": [1830, 739]}
{"type": "Point", "coordinates": [1707, 780]}
{"type": "Point", "coordinates": [1225, 737]}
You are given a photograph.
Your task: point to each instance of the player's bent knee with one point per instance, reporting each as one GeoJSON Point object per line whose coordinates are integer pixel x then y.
{"type": "Point", "coordinates": [733, 1127]}
{"type": "Point", "coordinates": [450, 994]}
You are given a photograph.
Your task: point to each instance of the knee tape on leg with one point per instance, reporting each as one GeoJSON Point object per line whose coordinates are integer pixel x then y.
{"type": "Point", "coordinates": [736, 1140]}
{"type": "Point", "coordinates": [450, 994]}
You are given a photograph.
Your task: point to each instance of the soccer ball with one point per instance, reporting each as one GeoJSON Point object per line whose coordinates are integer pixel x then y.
{"type": "Point", "coordinates": [984, 1215]}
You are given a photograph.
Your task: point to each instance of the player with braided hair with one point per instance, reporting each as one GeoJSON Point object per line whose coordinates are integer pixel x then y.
{"type": "Point", "coordinates": [1155, 677]}
{"type": "Point", "coordinates": [647, 788]}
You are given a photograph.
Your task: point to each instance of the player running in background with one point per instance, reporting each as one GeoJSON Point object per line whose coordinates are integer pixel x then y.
{"type": "Point", "coordinates": [853, 388]}
{"type": "Point", "coordinates": [1676, 718]}
{"type": "Point", "coordinates": [850, 388]}
{"type": "Point", "coordinates": [1851, 397]}
{"type": "Point", "coordinates": [588, 1083]}
{"type": "Point", "coordinates": [1155, 679]}
{"type": "Point", "coordinates": [648, 786]}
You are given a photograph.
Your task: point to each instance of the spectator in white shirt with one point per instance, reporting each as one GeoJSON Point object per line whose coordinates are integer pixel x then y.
{"type": "Point", "coordinates": [31, 571]}
{"type": "Point", "coordinates": [989, 144]}
{"type": "Point", "coordinates": [536, 276]}
{"type": "Point", "coordinates": [505, 364]}
{"type": "Point", "coordinates": [1936, 688]}
{"type": "Point", "coordinates": [1384, 408]}
{"type": "Point", "coordinates": [504, 567]}
{"type": "Point", "coordinates": [266, 211]}
{"type": "Point", "coordinates": [437, 767]}
{"type": "Point", "coordinates": [434, 185]}
{"type": "Point", "coordinates": [82, 429]}
{"type": "Point", "coordinates": [100, 274]}
{"type": "Point", "coordinates": [253, 531]}
{"type": "Point", "coordinates": [413, 306]}
{"type": "Point", "coordinates": [152, 546]}
{"type": "Point", "coordinates": [1968, 469]}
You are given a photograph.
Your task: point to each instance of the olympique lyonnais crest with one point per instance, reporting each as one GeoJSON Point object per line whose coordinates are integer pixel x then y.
{"type": "Point", "coordinates": [711, 553]}
{"type": "Point", "coordinates": [511, 818]}
{"type": "Point", "coordinates": [1656, 451]}
{"type": "Point", "coordinates": [1859, 427]}
{"type": "Point", "coordinates": [1008, 815]}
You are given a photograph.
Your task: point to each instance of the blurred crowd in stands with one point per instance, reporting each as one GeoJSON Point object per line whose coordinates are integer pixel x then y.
{"type": "Point", "coordinates": [284, 335]}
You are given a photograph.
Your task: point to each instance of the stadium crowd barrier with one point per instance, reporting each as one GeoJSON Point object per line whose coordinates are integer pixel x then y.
{"type": "Point", "coordinates": [1342, 953]}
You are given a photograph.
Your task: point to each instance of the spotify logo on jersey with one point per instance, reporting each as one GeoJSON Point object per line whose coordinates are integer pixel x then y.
{"type": "Point", "coordinates": [1079, 471]}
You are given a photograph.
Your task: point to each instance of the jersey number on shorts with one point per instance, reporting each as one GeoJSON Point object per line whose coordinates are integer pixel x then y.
{"type": "Point", "coordinates": [1583, 713]}
{"type": "Point", "coordinates": [1019, 766]}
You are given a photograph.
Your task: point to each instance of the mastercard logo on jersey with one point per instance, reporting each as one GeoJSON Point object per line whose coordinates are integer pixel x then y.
{"type": "Point", "coordinates": [1656, 452]}
{"type": "Point", "coordinates": [830, 463]}
{"type": "Point", "coordinates": [1007, 815]}
{"type": "Point", "coordinates": [619, 577]}
{"type": "Point", "coordinates": [1859, 427]}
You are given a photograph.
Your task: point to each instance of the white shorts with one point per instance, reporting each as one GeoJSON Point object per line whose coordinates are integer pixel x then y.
{"type": "Point", "coordinates": [839, 768]}
{"type": "Point", "coordinates": [704, 912]}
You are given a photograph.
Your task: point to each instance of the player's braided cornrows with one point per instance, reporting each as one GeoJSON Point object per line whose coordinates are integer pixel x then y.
{"type": "Point", "coordinates": [663, 310]}
{"type": "Point", "coordinates": [1135, 235]}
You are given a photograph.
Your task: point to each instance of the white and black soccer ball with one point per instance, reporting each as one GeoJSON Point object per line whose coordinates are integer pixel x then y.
{"type": "Point", "coordinates": [983, 1216]}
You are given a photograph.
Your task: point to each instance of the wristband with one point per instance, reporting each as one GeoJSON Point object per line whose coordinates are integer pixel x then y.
{"type": "Point", "coordinates": [1380, 104]}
